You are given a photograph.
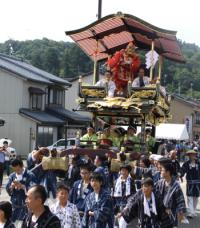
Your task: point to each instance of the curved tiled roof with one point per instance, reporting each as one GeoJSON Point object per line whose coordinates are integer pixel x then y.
{"type": "Point", "coordinates": [115, 31]}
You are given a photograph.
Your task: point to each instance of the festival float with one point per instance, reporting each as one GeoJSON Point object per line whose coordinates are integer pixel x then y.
{"type": "Point", "coordinates": [113, 40]}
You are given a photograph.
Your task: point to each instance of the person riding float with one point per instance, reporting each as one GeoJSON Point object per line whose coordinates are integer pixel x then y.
{"type": "Point", "coordinates": [124, 65]}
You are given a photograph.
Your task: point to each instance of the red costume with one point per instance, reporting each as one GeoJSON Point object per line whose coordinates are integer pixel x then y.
{"type": "Point", "coordinates": [124, 65]}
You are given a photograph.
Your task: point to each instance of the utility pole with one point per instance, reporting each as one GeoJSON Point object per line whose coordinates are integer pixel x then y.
{"type": "Point", "coordinates": [99, 9]}
{"type": "Point", "coordinates": [11, 51]}
{"type": "Point", "coordinates": [179, 88]}
{"type": "Point", "coordinates": [96, 65]}
{"type": "Point", "coordinates": [191, 87]}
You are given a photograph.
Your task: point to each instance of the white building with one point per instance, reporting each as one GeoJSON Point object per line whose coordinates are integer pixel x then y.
{"type": "Point", "coordinates": [32, 103]}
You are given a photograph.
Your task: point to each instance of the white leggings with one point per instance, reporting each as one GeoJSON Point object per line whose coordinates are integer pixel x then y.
{"type": "Point", "coordinates": [192, 204]}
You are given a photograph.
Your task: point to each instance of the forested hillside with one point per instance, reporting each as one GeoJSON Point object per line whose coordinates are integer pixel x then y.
{"type": "Point", "coordinates": [67, 60]}
{"type": "Point", "coordinates": [64, 59]}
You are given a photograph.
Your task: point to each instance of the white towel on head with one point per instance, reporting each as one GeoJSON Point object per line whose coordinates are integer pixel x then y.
{"type": "Point", "coordinates": [146, 205]}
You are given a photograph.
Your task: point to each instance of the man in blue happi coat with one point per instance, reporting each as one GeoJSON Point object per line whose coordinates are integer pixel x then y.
{"type": "Point", "coordinates": [101, 164]}
{"type": "Point", "coordinates": [99, 206]}
{"type": "Point", "coordinates": [47, 178]}
{"type": "Point", "coordinates": [147, 206]}
{"type": "Point", "coordinates": [171, 192]}
{"type": "Point", "coordinates": [81, 189]}
{"type": "Point", "coordinates": [18, 184]}
{"type": "Point", "coordinates": [192, 170]}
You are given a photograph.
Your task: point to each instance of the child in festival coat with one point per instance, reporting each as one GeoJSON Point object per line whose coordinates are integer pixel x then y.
{"type": "Point", "coordinates": [64, 210]}
{"type": "Point", "coordinates": [170, 190]}
{"type": "Point", "coordinates": [147, 206]}
{"type": "Point", "coordinates": [124, 187]}
{"type": "Point", "coordinates": [81, 189]}
{"type": "Point", "coordinates": [5, 215]}
{"type": "Point", "coordinates": [99, 206]}
{"type": "Point", "coordinates": [18, 184]}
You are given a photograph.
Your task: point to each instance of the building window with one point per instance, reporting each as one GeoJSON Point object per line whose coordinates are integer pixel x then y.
{"type": "Point", "coordinates": [56, 96]}
{"type": "Point", "coordinates": [36, 101]}
{"type": "Point", "coordinates": [197, 118]}
{"type": "Point", "coordinates": [44, 136]}
{"type": "Point", "coordinates": [36, 98]}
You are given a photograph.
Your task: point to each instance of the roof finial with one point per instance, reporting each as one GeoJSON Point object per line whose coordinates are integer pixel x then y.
{"type": "Point", "coordinates": [11, 51]}
{"type": "Point", "coordinates": [120, 14]}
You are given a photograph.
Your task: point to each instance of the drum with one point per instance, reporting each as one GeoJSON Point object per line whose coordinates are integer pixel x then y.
{"type": "Point", "coordinates": [55, 163]}
{"type": "Point", "coordinates": [115, 165]}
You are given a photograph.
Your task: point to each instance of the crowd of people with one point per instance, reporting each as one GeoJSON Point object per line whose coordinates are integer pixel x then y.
{"type": "Point", "coordinates": [91, 194]}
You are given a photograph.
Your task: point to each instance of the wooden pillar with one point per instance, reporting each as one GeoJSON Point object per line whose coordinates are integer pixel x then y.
{"type": "Point", "coordinates": [160, 69]}
{"type": "Point", "coordinates": [95, 74]}
{"type": "Point", "coordinates": [151, 69]}
{"type": "Point", "coordinates": [94, 121]}
{"type": "Point", "coordinates": [96, 65]}
{"type": "Point", "coordinates": [143, 139]}
{"type": "Point", "coordinates": [80, 80]}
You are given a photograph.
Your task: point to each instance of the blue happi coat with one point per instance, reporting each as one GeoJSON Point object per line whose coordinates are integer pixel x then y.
{"type": "Point", "coordinates": [135, 208]}
{"type": "Point", "coordinates": [18, 196]}
{"type": "Point", "coordinates": [120, 200]}
{"type": "Point", "coordinates": [47, 178]}
{"type": "Point", "coordinates": [103, 170]}
{"type": "Point", "coordinates": [192, 177]}
{"type": "Point", "coordinates": [103, 211]}
{"type": "Point", "coordinates": [141, 172]}
{"type": "Point", "coordinates": [78, 195]}
{"type": "Point", "coordinates": [173, 198]}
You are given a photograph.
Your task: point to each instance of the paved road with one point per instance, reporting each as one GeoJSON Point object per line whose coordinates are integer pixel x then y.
{"type": "Point", "coordinates": [194, 223]}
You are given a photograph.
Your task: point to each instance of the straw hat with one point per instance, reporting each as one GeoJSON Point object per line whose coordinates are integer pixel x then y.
{"type": "Point", "coordinates": [191, 152]}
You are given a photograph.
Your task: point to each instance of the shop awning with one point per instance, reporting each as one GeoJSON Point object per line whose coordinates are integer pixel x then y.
{"type": "Point", "coordinates": [66, 114]}
{"type": "Point", "coordinates": [2, 122]}
{"type": "Point", "coordinates": [113, 32]}
{"type": "Point", "coordinates": [172, 132]}
{"type": "Point", "coordinates": [36, 90]}
{"type": "Point", "coordinates": [41, 117]}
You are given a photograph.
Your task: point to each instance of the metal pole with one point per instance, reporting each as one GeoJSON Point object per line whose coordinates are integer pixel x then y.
{"type": "Point", "coordinates": [66, 135]}
{"type": "Point", "coordinates": [99, 9]}
{"type": "Point", "coordinates": [96, 65]}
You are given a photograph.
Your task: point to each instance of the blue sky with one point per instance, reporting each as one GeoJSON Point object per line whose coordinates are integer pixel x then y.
{"type": "Point", "coordinates": [35, 19]}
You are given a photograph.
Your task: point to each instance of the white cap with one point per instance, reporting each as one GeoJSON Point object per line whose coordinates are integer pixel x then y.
{"type": "Point", "coordinates": [195, 148]}
{"type": "Point", "coordinates": [155, 157]}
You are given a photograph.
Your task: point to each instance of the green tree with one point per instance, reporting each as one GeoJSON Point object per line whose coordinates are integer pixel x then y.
{"type": "Point", "coordinates": [51, 61]}
{"type": "Point", "coordinates": [66, 59]}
